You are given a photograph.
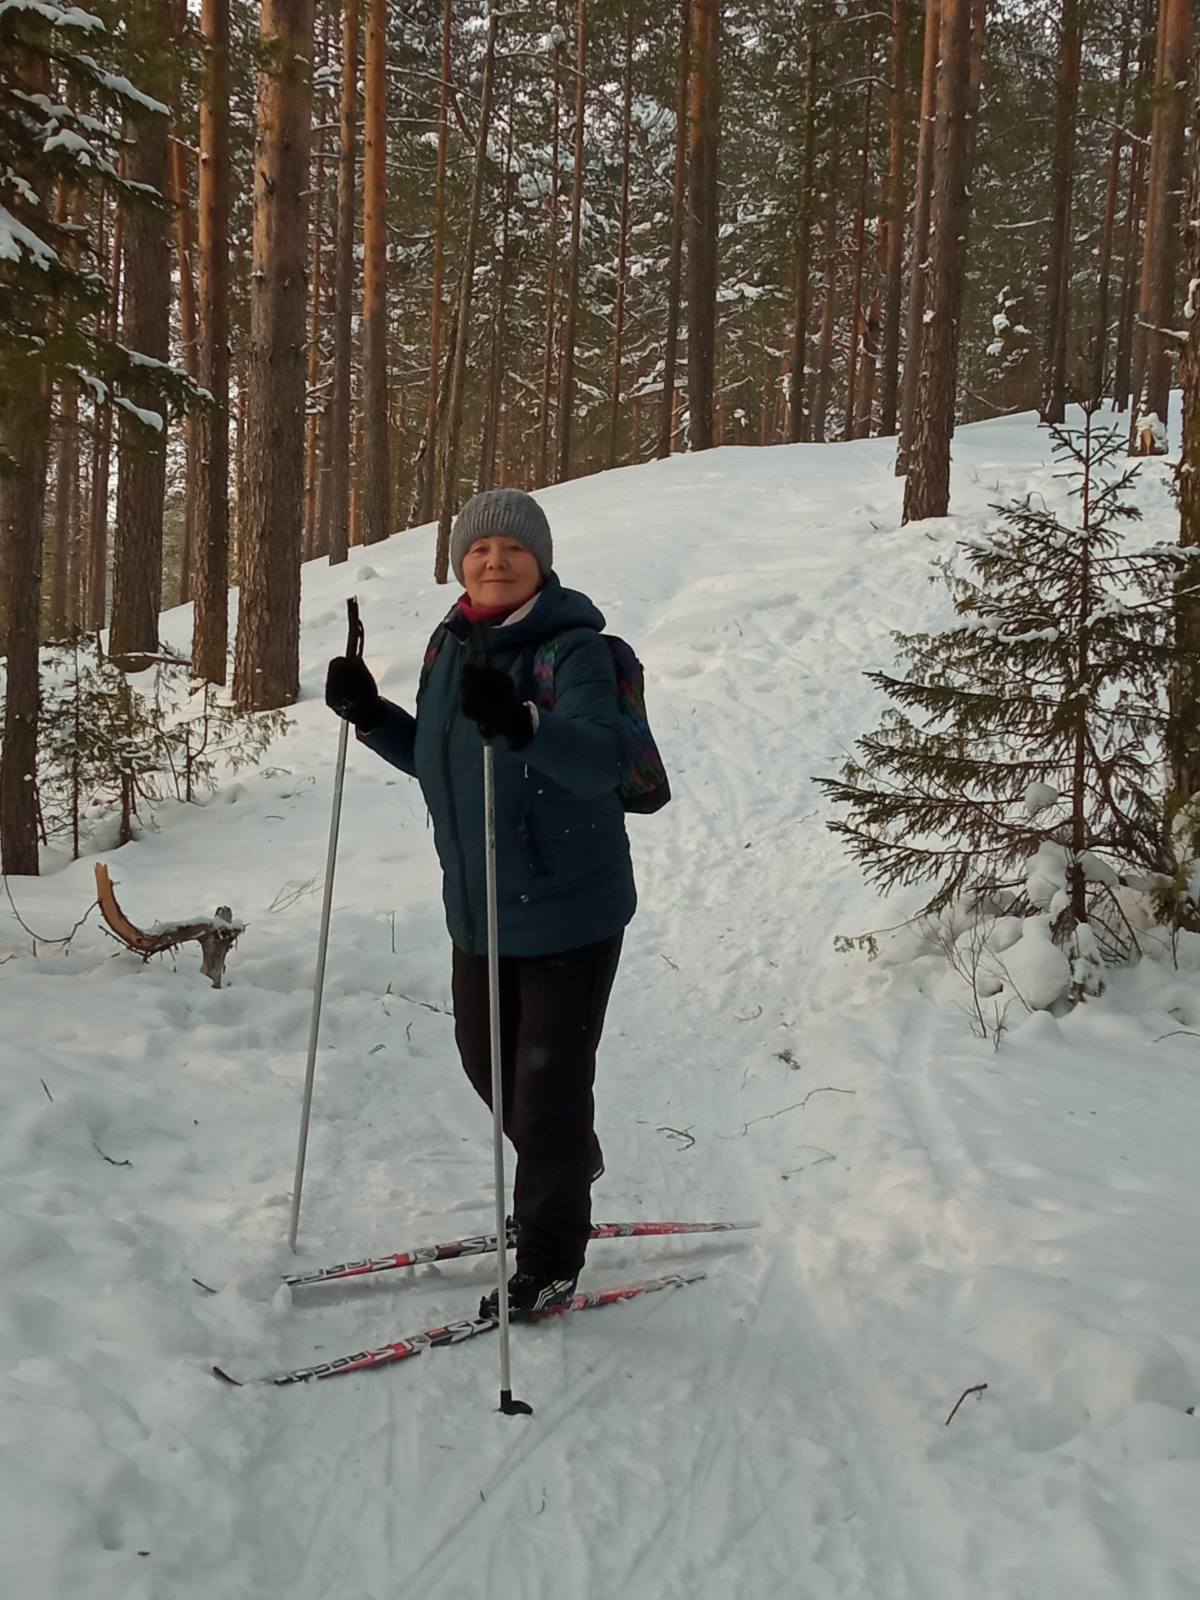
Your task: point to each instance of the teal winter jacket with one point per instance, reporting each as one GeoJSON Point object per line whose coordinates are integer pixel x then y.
{"type": "Point", "coordinates": [563, 871]}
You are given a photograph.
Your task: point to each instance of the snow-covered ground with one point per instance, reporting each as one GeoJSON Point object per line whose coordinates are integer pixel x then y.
{"type": "Point", "coordinates": [936, 1214]}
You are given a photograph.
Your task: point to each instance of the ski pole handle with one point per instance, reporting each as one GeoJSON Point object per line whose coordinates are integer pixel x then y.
{"type": "Point", "coordinates": [356, 636]}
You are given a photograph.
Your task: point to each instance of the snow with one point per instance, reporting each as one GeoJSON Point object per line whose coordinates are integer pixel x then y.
{"type": "Point", "coordinates": [121, 86]}
{"type": "Point", "coordinates": [151, 419]}
{"type": "Point", "coordinates": [938, 1213]}
{"type": "Point", "coordinates": [1038, 796]}
{"type": "Point", "coordinates": [16, 240]}
{"type": "Point", "coordinates": [78, 146]}
{"type": "Point", "coordinates": [60, 16]}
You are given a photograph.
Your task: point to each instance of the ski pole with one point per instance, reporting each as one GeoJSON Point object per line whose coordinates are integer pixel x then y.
{"type": "Point", "coordinates": [354, 650]}
{"type": "Point", "coordinates": [509, 1406]}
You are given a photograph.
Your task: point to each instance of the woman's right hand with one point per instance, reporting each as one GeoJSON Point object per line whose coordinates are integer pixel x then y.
{"type": "Point", "coordinates": [350, 692]}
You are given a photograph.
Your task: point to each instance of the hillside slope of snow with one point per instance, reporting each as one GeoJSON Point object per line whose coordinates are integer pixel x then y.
{"type": "Point", "coordinates": [936, 1215]}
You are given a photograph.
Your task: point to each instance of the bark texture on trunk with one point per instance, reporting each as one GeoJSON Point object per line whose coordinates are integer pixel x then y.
{"type": "Point", "coordinates": [210, 567]}
{"type": "Point", "coordinates": [666, 430]}
{"type": "Point", "coordinates": [927, 489]}
{"type": "Point", "coordinates": [267, 654]}
{"type": "Point", "coordinates": [1160, 262]}
{"type": "Point", "coordinates": [854, 424]}
{"type": "Point", "coordinates": [1187, 694]}
{"type": "Point", "coordinates": [893, 252]}
{"type": "Point", "coordinates": [614, 421]}
{"type": "Point", "coordinates": [919, 271]}
{"type": "Point", "coordinates": [374, 468]}
{"type": "Point", "coordinates": [1062, 186]}
{"type": "Point", "coordinates": [1108, 227]}
{"type": "Point", "coordinates": [1135, 204]}
{"type": "Point", "coordinates": [94, 603]}
{"type": "Point", "coordinates": [703, 127]}
{"type": "Point", "coordinates": [181, 193]}
{"type": "Point", "coordinates": [462, 330]}
{"type": "Point", "coordinates": [333, 510]}
{"type": "Point", "coordinates": [566, 380]}
{"type": "Point", "coordinates": [23, 427]}
{"type": "Point", "coordinates": [145, 327]}
{"type": "Point", "coordinates": [824, 374]}
{"type": "Point", "coordinates": [798, 427]}
{"type": "Point", "coordinates": [427, 485]}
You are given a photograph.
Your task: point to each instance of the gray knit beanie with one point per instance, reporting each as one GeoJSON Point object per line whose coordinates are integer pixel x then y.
{"type": "Point", "coordinates": [508, 512]}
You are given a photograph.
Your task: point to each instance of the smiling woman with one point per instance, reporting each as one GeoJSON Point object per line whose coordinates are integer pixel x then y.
{"type": "Point", "coordinates": [564, 878]}
{"type": "Point", "coordinates": [500, 573]}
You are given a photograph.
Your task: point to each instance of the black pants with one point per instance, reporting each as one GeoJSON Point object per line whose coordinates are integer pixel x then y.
{"type": "Point", "coordinates": [551, 1017]}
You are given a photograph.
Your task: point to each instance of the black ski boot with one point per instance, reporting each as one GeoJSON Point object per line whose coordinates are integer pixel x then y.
{"type": "Point", "coordinates": [530, 1294]}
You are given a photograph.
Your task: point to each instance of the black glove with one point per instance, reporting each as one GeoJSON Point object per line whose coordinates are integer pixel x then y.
{"type": "Point", "coordinates": [489, 697]}
{"type": "Point", "coordinates": [350, 691]}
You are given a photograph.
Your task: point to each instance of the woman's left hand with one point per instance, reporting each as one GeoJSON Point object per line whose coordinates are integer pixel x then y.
{"type": "Point", "coordinates": [488, 696]}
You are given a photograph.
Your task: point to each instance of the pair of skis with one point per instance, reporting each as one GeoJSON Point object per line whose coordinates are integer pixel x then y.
{"type": "Point", "coordinates": [471, 1327]}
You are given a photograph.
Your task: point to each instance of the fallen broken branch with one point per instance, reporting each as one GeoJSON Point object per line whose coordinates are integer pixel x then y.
{"type": "Point", "coordinates": [977, 1388]}
{"type": "Point", "coordinates": [216, 935]}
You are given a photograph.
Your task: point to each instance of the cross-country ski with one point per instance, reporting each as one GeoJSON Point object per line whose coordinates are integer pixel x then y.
{"type": "Point", "coordinates": [485, 1243]}
{"type": "Point", "coordinates": [458, 1332]}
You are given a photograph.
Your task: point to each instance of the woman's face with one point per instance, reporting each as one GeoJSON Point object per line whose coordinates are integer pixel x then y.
{"type": "Point", "coordinates": [499, 571]}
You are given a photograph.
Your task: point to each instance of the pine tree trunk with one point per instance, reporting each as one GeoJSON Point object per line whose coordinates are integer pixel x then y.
{"type": "Point", "coordinates": [397, 432]}
{"type": "Point", "coordinates": [314, 429]}
{"type": "Point", "coordinates": [1108, 227]}
{"type": "Point", "coordinates": [703, 127]}
{"type": "Point", "coordinates": [798, 424]}
{"type": "Point", "coordinates": [24, 424]}
{"type": "Point", "coordinates": [95, 579]}
{"type": "Point", "coordinates": [449, 474]}
{"type": "Point", "coordinates": [1186, 763]}
{"type": "Point", "coordinates": [60, 620]}
{"type": "Point", "coordinates": [495, 391]}
{"type": "Point", "coordinates": [853, 423]}
{"type": "Point", "coordinates": [566, 381]}
{"type": "Point", "coordinates": [356, 498]}
{"type": "Point", "coordinates": [893, 257]}
{"type": "Point", "coordinates": [181, 193]}
{"type": "Point", "coordinates": [824, 376]}
{"type": "Point", "coordinates": [24, 427]}
{"type": "Point", "coordinates": [61, 616]}
{"type": "Point", "coordinates": [239, 457]}
{"type": "Point", "coordinates": [333, 512]}
{"type": "Point", "coordinates": [666, 432]}
{"type": "Point", "coordinates": [918, 281]}
{"type": "Point", "coordinates": [374, 472]}
{"type": "Point", "coordinates": [187, 325]}
{"type": "Point", "coordinates": [142, 464]}
{"type": "Point", "coordinates": [543, 445]}
{"type": "Point", "coordinates": [871, 322]}
{"type": "Point", "coordinates": [427, 457]}
{"type": "Point", "coordinates": [1134, 209]}
{"type": "Point", "coordinates": [1153, 159]}
{"type": "Point", "coordinates": [927, 490]}
{"type": "Point", "coordinates": [1162, 229]}
{"type": "Point", "coordinates": [267, 654]}
{"type": "Point", "coordinates": [210, 635]}
{"type": "Point", "coordinates": [614, 421]}
{"type": "Point", "coordinates": [1058, 271]}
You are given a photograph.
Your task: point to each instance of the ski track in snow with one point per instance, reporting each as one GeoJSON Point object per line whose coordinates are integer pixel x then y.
{"type": "Point", "coordinates": [936, 1214]}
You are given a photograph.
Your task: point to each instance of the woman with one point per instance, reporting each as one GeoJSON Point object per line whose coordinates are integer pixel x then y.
{"type": "Point", "coordinates": [564, 877]}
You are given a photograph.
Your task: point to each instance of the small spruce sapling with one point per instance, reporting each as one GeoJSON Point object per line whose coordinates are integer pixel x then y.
{"type": "Point", "coordinates": [107, 747]}
{"type": "Point", "coordinates": [1021, 759]}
